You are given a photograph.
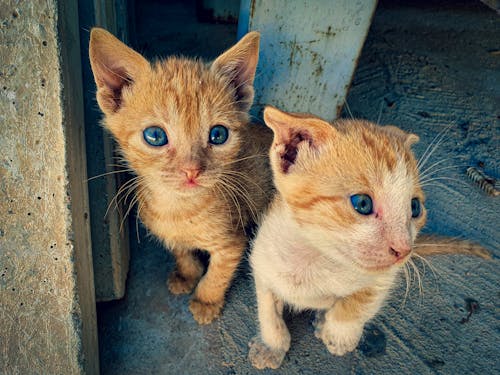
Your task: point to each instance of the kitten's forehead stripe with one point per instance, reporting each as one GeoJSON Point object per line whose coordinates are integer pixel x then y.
{"type": "Point", "coordinates": [379, 145]}
{"type": "Point", "coordinates": [188, 95]}
{"type": "Point", "coordinates": [309, 202]}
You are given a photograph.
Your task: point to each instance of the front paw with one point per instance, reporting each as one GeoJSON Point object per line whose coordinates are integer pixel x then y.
{"type": "Point", "coordinates": [340, 338]}
{"type": "Point", "coordinates": [178, 284]}
{"type": "Point", "coordinates": [204, 313]}
{"type": "Point", "coordinates": [262, 356]}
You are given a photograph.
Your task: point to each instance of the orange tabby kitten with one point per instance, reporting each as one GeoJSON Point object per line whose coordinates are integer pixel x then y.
{"type": "Point", "coordinates": [202, 175]}
{"type": "Point", "coordinates": [344, 222]}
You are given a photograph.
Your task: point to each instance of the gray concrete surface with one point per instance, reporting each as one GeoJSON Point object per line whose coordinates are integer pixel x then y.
{"type": "Point", "coordinates": [425, 66]}
{"type": "Point", "coordinates": [47, 306]}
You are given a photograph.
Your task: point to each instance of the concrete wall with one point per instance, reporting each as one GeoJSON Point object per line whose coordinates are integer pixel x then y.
{"type": "Point", "coordinates": [47, 307]}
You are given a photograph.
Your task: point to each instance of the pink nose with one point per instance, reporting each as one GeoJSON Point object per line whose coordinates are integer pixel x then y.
{"type": "Point", "coordinates": [191, 173]}
{"type": "Point", "coordinates": [399, 252]}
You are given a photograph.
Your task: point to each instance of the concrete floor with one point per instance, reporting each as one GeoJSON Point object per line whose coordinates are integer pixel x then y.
{"type": "Point", "coordinates": [425, 66]}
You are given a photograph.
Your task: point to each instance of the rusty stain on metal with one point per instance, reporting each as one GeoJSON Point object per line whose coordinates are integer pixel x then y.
{"type": "Point", "coordinates": [328, 33]}
{"type": "Point", "coordinates": [252, 8]}
{"type": "Point", "coordinates": [318, 71]}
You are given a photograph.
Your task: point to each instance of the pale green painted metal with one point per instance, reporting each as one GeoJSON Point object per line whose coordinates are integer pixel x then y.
{"type": "Point", "coordinates": [309, 50]}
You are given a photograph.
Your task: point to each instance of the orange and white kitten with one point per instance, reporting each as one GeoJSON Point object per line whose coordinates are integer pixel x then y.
{"type": "Point", "coordinates": [342, 225]}
{"type": "Point", "coordinates": [202, 172]}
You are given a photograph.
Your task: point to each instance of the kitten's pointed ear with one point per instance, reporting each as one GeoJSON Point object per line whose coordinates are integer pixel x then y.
{"type": "Point", "coordinates": [238, 65]}
{"type": "Point", "coordinates": [115, 66]}
{"type": "Point", "coordinates": [295, 132]}
{"type": "Point", "coordinates": [408, 139]}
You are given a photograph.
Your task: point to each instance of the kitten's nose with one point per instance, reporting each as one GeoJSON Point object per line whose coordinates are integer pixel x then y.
{"type": "Point", "coordinates": [191, 173]}
{"type": "Point", "coordinates": [399, 252]}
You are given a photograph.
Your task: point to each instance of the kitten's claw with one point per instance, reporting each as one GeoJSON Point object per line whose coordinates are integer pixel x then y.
{"type": "Point", "coordinates": [204, 313]}
{"type": "Point", "coordinates": [339, 338]}
{"type": "Point", "coordinates": [178, 284]}
{"type": "Point", "coordinates": [262, 356]}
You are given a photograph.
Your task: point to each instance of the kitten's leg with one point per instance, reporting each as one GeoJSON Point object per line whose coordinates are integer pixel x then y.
{"type": "Point", "coordinates": [186, 274]}
{"type": "Point", "coordinates": [341, 327]}
{"type": "Point", "coordinates": [208, 297]}
{"type": "Point", "coordinates": [268, 349]}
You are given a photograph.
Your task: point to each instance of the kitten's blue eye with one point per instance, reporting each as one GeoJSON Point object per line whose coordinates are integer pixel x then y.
{"type": "Point", "coordinates": [416, 208]}
{"type": "Point", "coordinates": [218, 135]}
{"type": "Point", "coordinates": [362, 203]}
{"type": "Point", "coordinates": [155, 136]}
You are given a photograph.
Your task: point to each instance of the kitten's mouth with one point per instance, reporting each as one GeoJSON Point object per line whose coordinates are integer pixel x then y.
{"type": "Point", "coordinates": [190, 184]}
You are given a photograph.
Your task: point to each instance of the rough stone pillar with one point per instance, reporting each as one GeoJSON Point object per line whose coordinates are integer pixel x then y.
{"type": "Point", "coordinates": [47, 306]}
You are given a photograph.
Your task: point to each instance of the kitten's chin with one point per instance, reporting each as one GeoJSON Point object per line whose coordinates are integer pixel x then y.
{"type": "Point", "coordinates": [190, 189]}
{"type": "Point", "coordinates": [379, 268]}
{"type": "Point", "coordinates": [383, 266]}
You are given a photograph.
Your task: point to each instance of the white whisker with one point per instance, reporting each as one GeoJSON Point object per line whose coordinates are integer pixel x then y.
{"type": "Point", "coordinates": [407, 279]}
{"type": "Point", "coordinates": [432, 147]}
{"type": "Point", "coordinates": [228, 190]}
{"type": "Point", "coordinates": [426, 262]}
{"type": "Point", "coordinates": [241, 191]}
{"type": "Point", "coordinates": [417, 277]}
{"type": "Point", "coordinates": [107, 174]}
{"type": "Point", "coordinates": [348, 109]}
{"type": "Point", "coordinates": [380, 111]}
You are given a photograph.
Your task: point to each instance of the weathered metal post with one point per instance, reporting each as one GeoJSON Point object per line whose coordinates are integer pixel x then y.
{"type": "Point", "coordinates": [309, 50]}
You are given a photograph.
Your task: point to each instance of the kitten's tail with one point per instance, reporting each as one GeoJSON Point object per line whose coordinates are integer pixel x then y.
{"type": "Point", "coordinates": [426, 245]}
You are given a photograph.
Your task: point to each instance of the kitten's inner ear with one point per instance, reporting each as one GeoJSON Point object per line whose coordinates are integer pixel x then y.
{"type": "Point", "coordinates": [292, 131]}
{"type": "Point", "coordinates": [289, 153]}
{"type": "Point", "coordinates": [115, 66]}
{"type": "Point", "coordinates": [238, 65]}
